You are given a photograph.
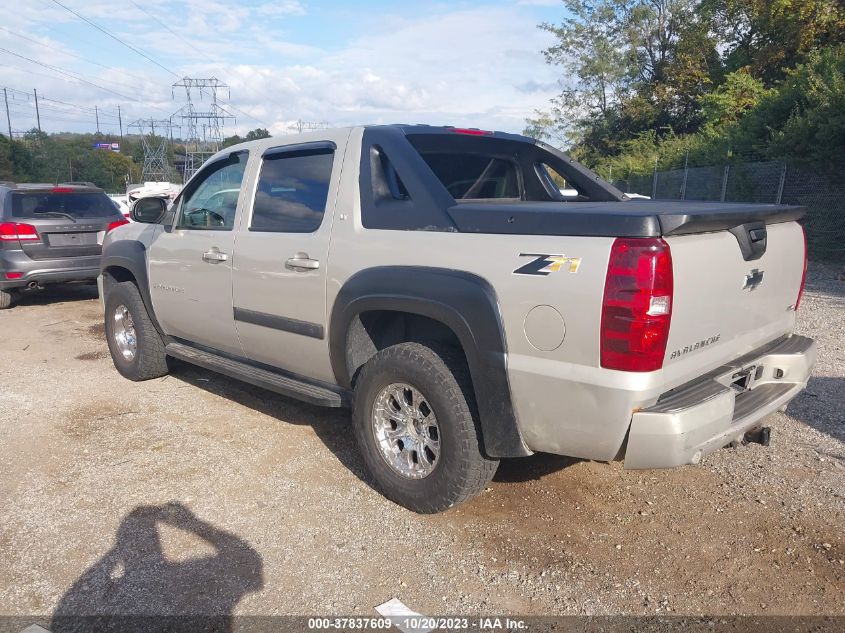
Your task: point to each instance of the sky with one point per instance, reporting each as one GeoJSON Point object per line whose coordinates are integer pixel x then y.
{"type": "Point", "coordinates": [462, 63]}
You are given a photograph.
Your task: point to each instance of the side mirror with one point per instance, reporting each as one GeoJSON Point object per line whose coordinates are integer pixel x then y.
{"type": "Point", "coordinates": [148, 210]}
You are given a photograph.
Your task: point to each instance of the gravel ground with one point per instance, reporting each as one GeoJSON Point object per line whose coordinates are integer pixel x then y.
{"type": "Point", "coordinates": [197, 494]}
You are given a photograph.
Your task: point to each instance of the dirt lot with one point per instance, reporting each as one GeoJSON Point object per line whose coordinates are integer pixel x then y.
{"type": "Point", "coordinates": [198, 494]}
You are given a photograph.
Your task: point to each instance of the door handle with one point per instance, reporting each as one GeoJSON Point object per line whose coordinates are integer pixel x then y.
{"type": "Point", "coordinates": [214, 256]}
{"type": "Point", "coordinates": [302, 263]}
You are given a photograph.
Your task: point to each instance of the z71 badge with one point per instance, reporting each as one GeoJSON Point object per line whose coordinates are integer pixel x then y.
{"type": "Point", "coordinates": [543, 264]}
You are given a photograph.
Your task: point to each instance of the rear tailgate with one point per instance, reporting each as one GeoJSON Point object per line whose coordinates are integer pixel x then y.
{"type": "Point", "coordinates": [70, 223]}
{"type": "Point", "coordinates": [725, 305]}
{"type": "Point", "coordinates": [62, 238]}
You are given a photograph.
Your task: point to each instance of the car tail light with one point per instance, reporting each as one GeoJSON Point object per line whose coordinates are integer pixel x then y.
{"type": "Point", "coordinates": [637, 306]}
{"type": "Point", "coordinates": [14, 275]}
{"type": "Point", "coordinates": [16, 231]}
{"type": "Point", "coordinates": [117, 223]}
{"type": "Point", "coordinates": [804, 274]}
{"type": "Point", "coordinates": [62, 190]}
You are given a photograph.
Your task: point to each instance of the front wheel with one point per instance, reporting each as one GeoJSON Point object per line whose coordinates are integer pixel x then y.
{"type": "Point", "coordinates": [135, 345]}
{"type": "Point", "coordinates": [413, 415]}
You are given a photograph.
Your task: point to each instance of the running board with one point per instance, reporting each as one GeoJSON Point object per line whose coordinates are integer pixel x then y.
{"type": "Point", "coordinates": [273, 381]}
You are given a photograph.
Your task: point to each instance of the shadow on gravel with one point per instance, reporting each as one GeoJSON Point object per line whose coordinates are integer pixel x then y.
{"type": "Point", "coordinates": [820, 405]}
{"type": "Point", "coordinates": [56, 293]}
{"type": "Point", "coordinates": [332, 426]}
{"type": "Point", "coordinates": [532, 468]}
{"type": "Point", "coordinates": [135, 579]}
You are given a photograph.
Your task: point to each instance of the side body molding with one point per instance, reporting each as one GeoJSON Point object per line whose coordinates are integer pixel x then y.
{"type": "Point", "coordinates": [132, 256]}
{"type": "Point", "coordinates": [463, 302]}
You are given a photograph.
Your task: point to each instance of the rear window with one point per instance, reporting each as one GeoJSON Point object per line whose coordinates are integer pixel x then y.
{"type": "Point", "coordinates": [48, 204]}
{"type": "Point", "coordinates": [474, 176]}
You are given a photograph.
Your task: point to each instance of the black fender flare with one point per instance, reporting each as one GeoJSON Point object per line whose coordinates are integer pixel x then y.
{"type": "Point", "coordinates": [463, 302]}
{"type": "Point", "coordinates": [131, 255]}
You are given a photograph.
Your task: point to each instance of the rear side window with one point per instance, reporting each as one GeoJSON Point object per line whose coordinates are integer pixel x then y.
{"type": "Point", "coordinates": [293, 188]}
{"type": "Point", "coordinates": [555, 183]}
{"type": "Point", "coordinates": [47, 204]}
{"type": "Point", "coordinates": [474, 176]}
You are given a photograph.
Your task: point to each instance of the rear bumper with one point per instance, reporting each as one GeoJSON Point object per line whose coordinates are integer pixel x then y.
{"type": "Point", "coordinates": [46, 271]}
{"type": "Point", "coordinates": [696, 419]}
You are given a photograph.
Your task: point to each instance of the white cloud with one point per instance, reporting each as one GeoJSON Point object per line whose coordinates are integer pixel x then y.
{"type": "Point", "coordinates": [480, 66]}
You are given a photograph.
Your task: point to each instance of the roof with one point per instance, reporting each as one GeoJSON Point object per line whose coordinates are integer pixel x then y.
{"type": "Point", "coordinates": [49, 186]}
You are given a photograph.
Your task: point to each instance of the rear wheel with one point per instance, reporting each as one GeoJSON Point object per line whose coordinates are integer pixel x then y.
{"type": "Point", "coordinates": [413, 415]}
{"type": "Point", "coordinates": [7, 297]}
{"type": "Point", "coordinates": [136, 347]}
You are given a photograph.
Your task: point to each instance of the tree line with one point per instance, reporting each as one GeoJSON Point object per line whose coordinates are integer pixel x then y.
{"type": "Point", "coordinates": [698, 81]}
{"type": "Point", "coordinates": [63, 157]}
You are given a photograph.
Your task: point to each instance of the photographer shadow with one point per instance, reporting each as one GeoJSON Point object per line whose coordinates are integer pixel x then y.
{"type": "Point", "coordinates": [136, 587]}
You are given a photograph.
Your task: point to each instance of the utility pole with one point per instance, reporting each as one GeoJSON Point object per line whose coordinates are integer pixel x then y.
{"type": "Point", "coordinates": [97, 118]}
{"type": "Point", "coordinates": [8, 118]}
{"type": "Point", "coordinates": [120, 123]}
{"type": "Point", "coordinates": [37, 112]}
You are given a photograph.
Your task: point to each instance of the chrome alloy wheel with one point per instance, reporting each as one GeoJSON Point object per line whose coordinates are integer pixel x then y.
{"type": "Point", "coordinates": [406, 431]}
{"type": "Point", "coordinates": [124, 333]}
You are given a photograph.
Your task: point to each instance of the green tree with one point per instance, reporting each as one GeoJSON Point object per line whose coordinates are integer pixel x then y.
{"type": "Point", "coordinates": [252, 135]}
{"type": "Point", "coordinates": [772, 36]}
{"type": "Point", "coordinates": [634, 65]}
{"type": "Point", "coordinates": [736, 96]}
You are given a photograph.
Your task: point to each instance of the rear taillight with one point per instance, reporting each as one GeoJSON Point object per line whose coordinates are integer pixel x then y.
{"type": "Point", "coordinates": [117, 223]}
{"type": "Point", "coordinates": [637, 306]}
{"type": "Point", "coordinates": [804, 274]}
{"type": "Point", "coordinates": [16, 231]}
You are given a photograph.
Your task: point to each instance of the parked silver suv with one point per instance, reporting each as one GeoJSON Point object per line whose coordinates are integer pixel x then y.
{"type": "Point", "coordinates": [51, 234]}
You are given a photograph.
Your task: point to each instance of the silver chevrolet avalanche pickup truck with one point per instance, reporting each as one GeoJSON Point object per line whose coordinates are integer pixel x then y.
{"type": "Point", "coordinates": [436, 281]}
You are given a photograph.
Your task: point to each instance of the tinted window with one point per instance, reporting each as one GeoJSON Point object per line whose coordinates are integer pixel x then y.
{"type": "Point", "coordinates": [77, 205]}
{"type": "Point", "coordinates": [212, 200]}
{"type": "Point", "coordinates": [292, 192]}
{"type": "Point", "coordinates": [474, 176]}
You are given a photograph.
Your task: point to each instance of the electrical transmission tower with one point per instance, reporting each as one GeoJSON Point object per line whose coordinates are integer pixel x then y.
{"type": "Point", "coordinates": [204, 125]}
{"type": "Point", "coordinates": [155, 137]}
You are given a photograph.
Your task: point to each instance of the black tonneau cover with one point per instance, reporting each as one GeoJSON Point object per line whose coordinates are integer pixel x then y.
{"type": "Point", "coordinates": [628, 218]}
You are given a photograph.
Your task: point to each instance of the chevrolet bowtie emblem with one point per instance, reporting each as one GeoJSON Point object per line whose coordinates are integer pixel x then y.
{"type": "Point", "coordinates": [753, 279]}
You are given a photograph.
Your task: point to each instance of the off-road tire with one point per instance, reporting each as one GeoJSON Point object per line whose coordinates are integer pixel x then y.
{"type": "Point", "coordinates": [440, 373]}
{"type": "Point", "coordinates": [150, 360]}
{"type": "Point", "coordinates": [7, 298]}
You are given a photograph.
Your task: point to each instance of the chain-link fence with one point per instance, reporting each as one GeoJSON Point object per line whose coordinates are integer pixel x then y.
{"type": "Point", "coordinates": [768, 181]}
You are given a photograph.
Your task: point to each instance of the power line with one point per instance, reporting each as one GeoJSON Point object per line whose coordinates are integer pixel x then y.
{"type": "Point", "coordinates": [68, 74]}
{"type": "Point", "coordinates": [168, 29]}
{"type": "Point", "coordinates": [196, 50]}
{"type": "Point", "coordinates": [65, 52]}
{"type": "Point", "coordinates": [115, 37]}
{"type": "Point", "coordinates": [61, 106]}
{"type": "Point", "coordinates": [144, 55]}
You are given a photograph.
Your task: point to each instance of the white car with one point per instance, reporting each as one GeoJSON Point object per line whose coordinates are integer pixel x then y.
{"type": "Point", "coordinates": [122, 205]}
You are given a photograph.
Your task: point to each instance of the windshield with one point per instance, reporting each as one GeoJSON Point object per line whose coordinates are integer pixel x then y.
{"type": "Point", "coordinates": [77, 205]}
